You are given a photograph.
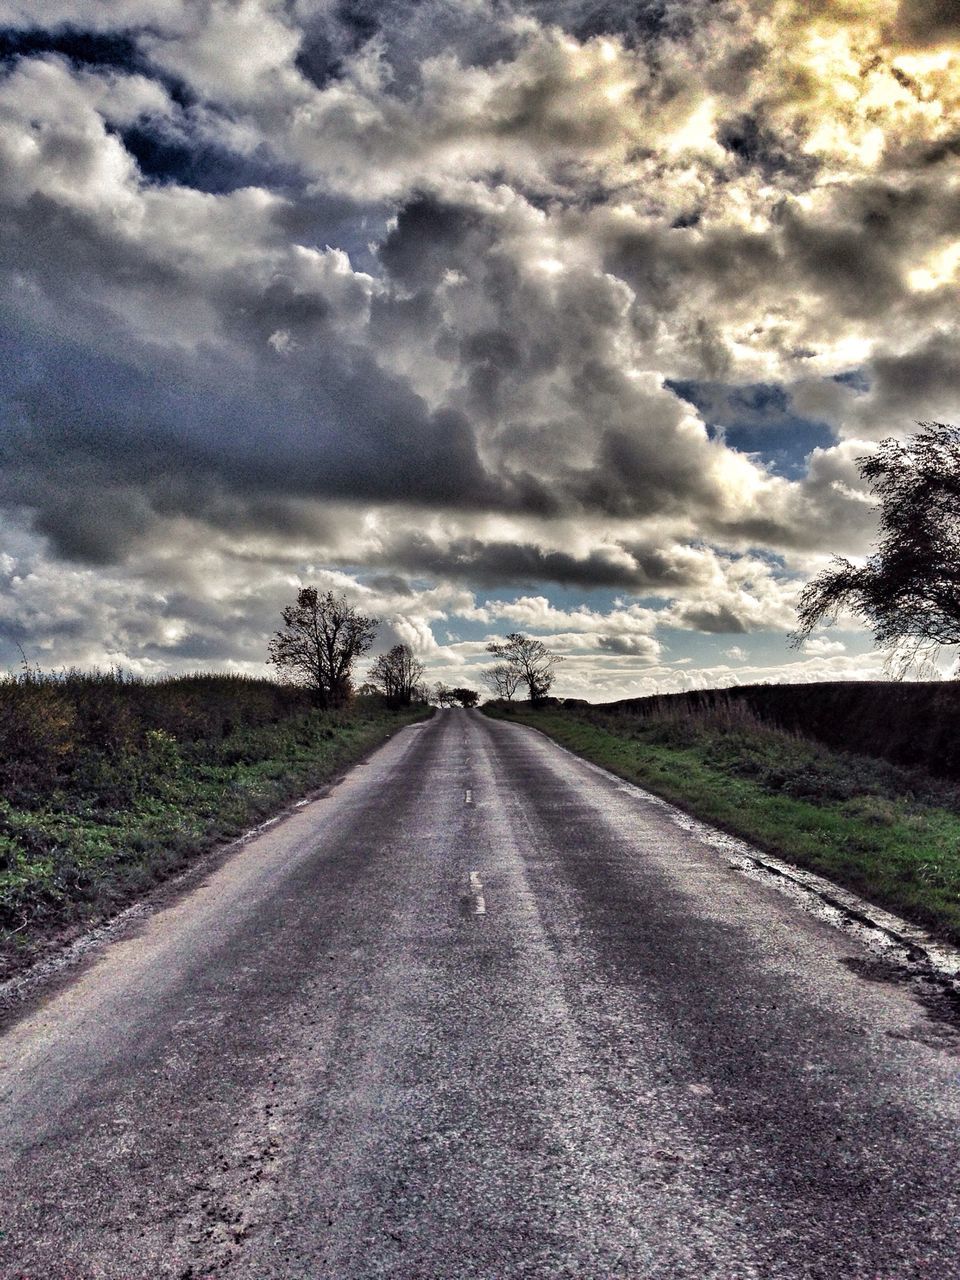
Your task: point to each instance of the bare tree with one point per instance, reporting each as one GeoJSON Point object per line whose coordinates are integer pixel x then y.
{"type": "Point", "coordinates": [503, 680]}
{"type": "Point", "coordinates": [909, 589]}
{"type": "Point", "coordinates": [397, 674]}
{"type": "Point", "coordinates": [530, 659]}
{"type": "Point", "coordinates": [321, 639]}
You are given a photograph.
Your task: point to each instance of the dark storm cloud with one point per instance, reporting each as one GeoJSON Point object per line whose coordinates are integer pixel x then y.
{"type": "Point", "coordinates": [432, 237]}
{"type": "Point", "coordinates": [855, 252]}
{"type": "Point", "coordinates": [628, 646]}
{"type": "Point", "coordinates": [928, 155]}
{"type": "Point", "coordinates": [926, 22]}
{"type": "Point", "coordinates": [488, 562]}
{"type": "Point", "coordinates": [316, 217]}
{"type": "Point", "coordinates": [634, 476]}
{"type": "Point", "coordinates": [935, 367]}
{"type": "Point", "coordinates": [661, 264]}
{"type": "Point", "coordinates": [99, 447]}
{"type": "Point", "coordinates": [19, 631]}
{"type": "Point", "coordinates": [756, 146]}
{"type": "Point", "coordinates": [577, 321]}
{"type": "Point", "coordinates": [193, 648]}
{"type": "Point", "coordinates": [638, 21]}
{"type": "Point", "coordinates": [403, 28]}
{"type": "Point", "coordinates": [478, 38]}
{"type": "Point", "coordinates": [924, 381]}
{"type": "Point", "coordinates": [66, 249]}
{"type": "Point", "coordinates": [852, 250]}
{"type": "Point", "coordinates": [390, 584]}
{"type": "Point", "coordinates": [331, 36]}
{"type": "Point", "coordinates": [856, 271]}
{"type": "Point", "coordinates": [156, 433]}
{"type": "Point", "coordinates": [713, 619]}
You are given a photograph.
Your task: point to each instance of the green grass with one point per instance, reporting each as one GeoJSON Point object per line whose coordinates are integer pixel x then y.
{"type": "Point", "coordinates": [889, 834]}
{"type": "Point", "coordinates": [119, 822]}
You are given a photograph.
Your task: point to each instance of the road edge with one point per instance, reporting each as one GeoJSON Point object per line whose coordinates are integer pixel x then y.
{"type": "Point", "coordinates": [911, 945]}
{"type": "Point", "coordinates": [62, 957]}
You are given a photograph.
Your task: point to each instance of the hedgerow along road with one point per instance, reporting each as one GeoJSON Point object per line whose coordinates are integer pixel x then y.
{"type": "Point", "coordinates": [480, 1010]}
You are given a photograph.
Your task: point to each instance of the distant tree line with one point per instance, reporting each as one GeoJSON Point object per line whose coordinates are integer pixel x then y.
{"type": "Point", "coordinates": [323, 636]}
{"type": "Point", "coordinates": [445, 696]}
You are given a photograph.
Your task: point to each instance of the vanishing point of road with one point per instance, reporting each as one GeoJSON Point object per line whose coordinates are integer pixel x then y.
{"type": "Point", "coordinates": [478, 1011]}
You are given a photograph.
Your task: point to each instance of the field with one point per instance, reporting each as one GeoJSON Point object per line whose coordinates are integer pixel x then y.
{"type": "Point", "coordinates": [889, 833]}
{"type": "Point", "coordinates": [109, 784]}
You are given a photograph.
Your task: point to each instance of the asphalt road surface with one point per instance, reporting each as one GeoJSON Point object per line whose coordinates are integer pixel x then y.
{"type": "Point", "coordinates": [480, 1011]}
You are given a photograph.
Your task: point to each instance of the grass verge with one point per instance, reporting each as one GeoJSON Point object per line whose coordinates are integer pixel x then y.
{"type": "Point", "coordinates": [891, 835]}
{"type": "Point", "coordinates": [75, 854]}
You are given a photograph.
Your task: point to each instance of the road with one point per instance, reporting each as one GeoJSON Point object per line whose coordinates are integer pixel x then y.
{"type": "Point", "coordinates": [479, 1011]}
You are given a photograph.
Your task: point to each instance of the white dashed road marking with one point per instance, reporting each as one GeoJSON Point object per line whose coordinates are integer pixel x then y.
{"type": "Point", "coordinates": [476, 888]}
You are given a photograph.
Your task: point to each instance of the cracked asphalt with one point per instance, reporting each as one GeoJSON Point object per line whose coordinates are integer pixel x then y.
{"type": "Point", "coordinates": [479, 1011]}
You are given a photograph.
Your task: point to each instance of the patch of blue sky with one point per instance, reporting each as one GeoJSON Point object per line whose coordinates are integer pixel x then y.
{"type": "Point", "coordinates": [773, 558]}
{"type": "Point", "coordinates": [107, 50]}
{"type": "Point", "coordinates": [772, 649]}
{"type": "Point", "coordinates": [756, 419]}
{"type": "Point", "coordinates": [654, 603]}
{"type": "Point", "coordinates": [114, 49]}
{"type": "Point", "coordinates": [169, 151]}
{"type": "Point", "coordinates": [167, 155]}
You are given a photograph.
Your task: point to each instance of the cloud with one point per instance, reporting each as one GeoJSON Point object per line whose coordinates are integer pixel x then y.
{"type": "Point", "coordinates": [449, 299]}
{"type": "Point", "coordinates": [821, 647]}
{"type": "Point", "coordinates": [644, 647]}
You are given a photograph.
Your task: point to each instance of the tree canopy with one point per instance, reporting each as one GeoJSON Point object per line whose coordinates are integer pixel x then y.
{"type": "Point", "coordinates": [908, 591]}
{"type": "Point", "coordinates": [397, 673]}
{"type": "Point", "coordinates": [529, 660]}
{"type": "Point", "coordinates": [466, 697]}
{"type": "Point", "coordinates": [321, 639]}
{"type": "Point", "coordinates": [443, 694]}
{"type": "Point", "coordinates": [502, 680]}
{"type": "Point", "coordinates": [446, 696]}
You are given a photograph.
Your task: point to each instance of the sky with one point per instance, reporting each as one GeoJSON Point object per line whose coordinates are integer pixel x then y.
{"type": "Point", "coordinates": [571, 318]}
